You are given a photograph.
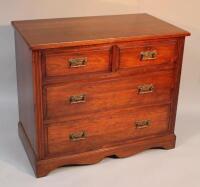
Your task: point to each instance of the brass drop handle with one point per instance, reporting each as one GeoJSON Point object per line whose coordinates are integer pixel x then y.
{"type": "Point", "coordinates": [77, 136]}
{"type": "Point", "coordinates": [77, 99]}
{"type": "Point", "coordinates": [142, 124]}
{"type": "Point", "coordinates": [148, 55]}
{"type": "Point", "coordinates": [146, 88]}
{"type": "Point", "coordinates": [77, 62]}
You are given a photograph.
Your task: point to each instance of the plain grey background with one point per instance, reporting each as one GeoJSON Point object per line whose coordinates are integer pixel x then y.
{"type": "Point", "coordinates": [178, 167]}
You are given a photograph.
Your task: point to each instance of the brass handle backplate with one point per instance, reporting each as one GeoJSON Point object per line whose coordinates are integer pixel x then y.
{"type": "Point", "coordinates": [77, 62]}
{"type": "Point", "coordinates": [77, 99]}
{"type": "Point", "coordinates": [148, 55]}
{"type": "Point", "coordinates": [146, 88]}
{"type": "Point", "coordinates": [142, 124]}
{"type": "Point", "coordinates": [77, 136]}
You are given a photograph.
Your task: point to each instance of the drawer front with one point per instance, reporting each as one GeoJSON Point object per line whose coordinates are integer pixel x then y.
{"type": "Point", "coordinates": [143, 54]}
{"type": "Point", "coordinates": [106, 129]}
{"type": "Point", "coordinates": [88, 97]}
{"type": "Point", "coordinates": [77, 61]}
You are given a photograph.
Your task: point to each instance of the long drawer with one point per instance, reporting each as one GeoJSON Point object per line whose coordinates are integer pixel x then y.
{"type": "Point", "coordinates": [106, 128]}
{"type": "Point", "coordinates": [79, 98]}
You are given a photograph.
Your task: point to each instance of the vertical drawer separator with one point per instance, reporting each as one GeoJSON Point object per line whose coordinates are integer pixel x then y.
{"type": "Point", "coordinates": [115, 58]}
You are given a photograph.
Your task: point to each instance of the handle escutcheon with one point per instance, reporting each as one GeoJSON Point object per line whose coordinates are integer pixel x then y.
{"type": "Point", "coordinates": [148, 55]}
{"type": "Point", "coordinates": [146, 88]}
{"type": "Point", "coordinates": [77, 136]}
{"type": "Point", "coordinates": [77, 62]}
{"type": "Point", "coordinates": [142, 124]}
{"type": "Point", "coordinates": [77, 99]}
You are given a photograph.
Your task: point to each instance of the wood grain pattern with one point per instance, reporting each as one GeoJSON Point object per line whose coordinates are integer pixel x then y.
{"type": "Point", "coordinates": [98, 60]}
{"type": "Point", "coordinates": [114, 127]}
{"type": "Point", "coordinates": [102, 76]}
{"type": "Point", "coordinates": [125, 149]}
{"type": "Point", "coordinates": [38, 107]}
{"type": "Point", "coordinates": [177, 77]}
{"type": "Point", "coordinates": [25, 89]}
{"type": "Point", "coordinates": [130, 54]}
{"type": "Point", "coordinates": [105, 95]}
{"type": "Point", "coordinates": [63, 32]}
{"type": "Point", "coordinates": [55, 132]}
{"type": "Point", "coordinates": [28, 146]}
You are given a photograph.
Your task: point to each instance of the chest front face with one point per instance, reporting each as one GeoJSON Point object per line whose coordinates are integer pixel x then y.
{"type": "Point", "coordinates": [95, 98]}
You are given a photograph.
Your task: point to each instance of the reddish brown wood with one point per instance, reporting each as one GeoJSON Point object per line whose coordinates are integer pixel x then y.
{"type": "Point", "coordinates": [101, 76]}
{"type": "Point", "coordinates": [57, 62]}
{"type": "Point", "coordinates": [125, 149]}
{"type": "Point", "coordinates": [110, 80]}
{"type": "Point", "coordinates": [38, 108]}
{"type": "Point", "coordinates": [108, 94]}
{"type": "Point", "coordinates": [130, 53]}
{"type": "Point", "coordinates": [114, 126]}
{"type": "Point", "coordinates": [25, 89]}
{"type": "Point", "coordinates": [27, 146]}
{"type": "Point", "coordinates": [63, 32]}
{"type": "Point", "coordinates": [115, 58]}
{"type": "Point", "coordinates": [177, 76]}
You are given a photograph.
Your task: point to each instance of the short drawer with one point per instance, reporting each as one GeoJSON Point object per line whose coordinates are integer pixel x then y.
{"type": "Point", "coordinates": [89, 97]}
{"type": "Point", "coordinates": [77, 61]}
{"type": "Point", "coordinates": [105, 129]}
{"type": "Point", "coordinates": [143, 54]}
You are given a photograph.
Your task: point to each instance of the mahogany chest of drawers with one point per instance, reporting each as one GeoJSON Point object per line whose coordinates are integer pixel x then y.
{"type": "Point", "coordinates": [96, 87]}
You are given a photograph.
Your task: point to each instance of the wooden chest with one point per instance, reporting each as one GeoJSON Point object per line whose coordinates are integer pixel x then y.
{"type": "Point", "coordinates": [96, 87]}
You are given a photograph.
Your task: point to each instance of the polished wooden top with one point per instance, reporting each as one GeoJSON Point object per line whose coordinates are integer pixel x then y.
{"type": "Point", "coordinates": [63, 32]}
